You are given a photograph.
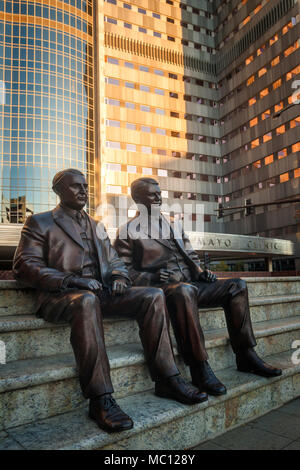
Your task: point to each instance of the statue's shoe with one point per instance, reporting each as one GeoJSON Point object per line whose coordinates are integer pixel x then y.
{"type": "Point", "coordinates": [108, 415]}
{"type": "Point", "coordinates": [205, 380]}
{"type": "Point", "coordinates": [249, 361]}
{"type": "Point", "coordinates": [180, 390]}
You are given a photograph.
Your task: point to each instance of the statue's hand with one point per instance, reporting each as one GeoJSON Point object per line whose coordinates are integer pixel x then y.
{"type": "Point", "coordinates": [207, 276]}
{"type": "Point", "coordinates": [163, 275]}
{"type": "Point", "coordinates": [119, 287]}
{"type": "Point", "coordinates": [88, 284]}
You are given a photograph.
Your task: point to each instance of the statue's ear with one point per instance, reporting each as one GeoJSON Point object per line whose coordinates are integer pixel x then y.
{"type": "Point", "coordinates": [56, 190]}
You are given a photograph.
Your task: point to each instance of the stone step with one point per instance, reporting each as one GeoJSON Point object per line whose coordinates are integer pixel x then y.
{"type": "Point", "coordinates": [15, 299]}
{"type": "Point", "coordinates": [37, 388]}
{"type": "Point", "coordinates": [26, 336]}
{"type": "Point", "coordinates": [164, 424]}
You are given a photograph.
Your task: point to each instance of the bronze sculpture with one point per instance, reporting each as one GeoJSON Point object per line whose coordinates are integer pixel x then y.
{"type": "Point", "coordinates": [79, 279]}
{"type": "Point", "coordinates": [171, 264]}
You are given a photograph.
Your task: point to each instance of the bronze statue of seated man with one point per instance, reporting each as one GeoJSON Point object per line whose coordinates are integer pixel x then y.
{"type": "Point", "coordinates": [169, 262]}
{"type": "Point", "coordinates": [79, 279]}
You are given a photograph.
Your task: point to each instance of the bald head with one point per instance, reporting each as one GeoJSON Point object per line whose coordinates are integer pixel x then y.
{"type": "Point", "coordinates": [71, 186]}
{"type": "Point", "coordinates": [60, 176]}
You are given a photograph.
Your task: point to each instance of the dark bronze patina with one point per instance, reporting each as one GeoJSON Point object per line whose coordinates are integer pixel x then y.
{"type": "Point", "coordinates": [79, 278]}
{"type": "Point", "coordinates": [172, 264]}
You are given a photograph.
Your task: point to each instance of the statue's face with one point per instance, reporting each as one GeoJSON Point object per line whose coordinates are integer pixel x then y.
{"type": "Point", "coordinates": [150, 196]}
{"type": "Point", "coordinates": [73, 191]}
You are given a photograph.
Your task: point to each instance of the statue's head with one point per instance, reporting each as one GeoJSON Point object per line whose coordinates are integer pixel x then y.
{"type": "Point", "coordinates": [71, 187]}
{"type": "Point", "coordinates": [146, 191]}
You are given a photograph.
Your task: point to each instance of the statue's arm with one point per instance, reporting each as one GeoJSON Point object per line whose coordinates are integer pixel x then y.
{"type": "Point", "coordinates": [190, 250]}
{"type": "Point", "coordinates": [124, 248]}
{"type": "Point", "coordinates": [30, 260]}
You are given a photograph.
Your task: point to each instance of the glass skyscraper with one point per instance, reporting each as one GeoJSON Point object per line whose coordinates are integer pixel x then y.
{"type": "Point", "coordinates": [47, 101]}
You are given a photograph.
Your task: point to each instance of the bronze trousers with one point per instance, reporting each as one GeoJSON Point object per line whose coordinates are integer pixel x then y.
{"type": "Point", "coordinates": [184, 299]}
{"type": "Point", "coordinates": [84, 311]}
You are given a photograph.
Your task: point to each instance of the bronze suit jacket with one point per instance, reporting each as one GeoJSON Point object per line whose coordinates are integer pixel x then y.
{"type": "Point", "coordinates": [51, 249]}
{"type": "Point", "coordinates": [144, 255]}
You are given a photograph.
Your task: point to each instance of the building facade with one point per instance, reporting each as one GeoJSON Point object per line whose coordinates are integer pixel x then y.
{"type": "Point", "coordinates": [181, 91]}
{"type": "Point", "coordinates": [47, 101]}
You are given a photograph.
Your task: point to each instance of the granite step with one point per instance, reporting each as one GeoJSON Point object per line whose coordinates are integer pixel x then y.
{"type": "Point", "coordinates": [38, 388]}
{"type": "Point", "coordinates": [26, 336]}
{"type": "Point", "coordinates": [16, 299]}
{"type": "Point", "coordinates": [164, 424]}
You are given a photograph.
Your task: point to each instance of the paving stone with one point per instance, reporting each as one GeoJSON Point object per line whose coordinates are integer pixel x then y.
{"type": "Point", "coordinates": [209, 445]}
{"type": "Point", "coordinates": [279, 423]}
{"type": "Point", "coordinates": [292, 408]}
{"type": "Point", "coordinates": [249, 438]}
{"type": "Point", "coordinates": [293, 446]}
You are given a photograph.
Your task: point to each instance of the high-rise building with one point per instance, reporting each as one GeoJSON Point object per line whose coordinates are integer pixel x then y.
{"type": "Point", "coordinates": [47, 99]}
{"type": "Point", "coordinates": [184, 91]}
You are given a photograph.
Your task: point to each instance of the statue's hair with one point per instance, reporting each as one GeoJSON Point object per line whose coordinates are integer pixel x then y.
{"type": "Point", "coordinates": [61, 174]}
{"type": "Point", "coordinates": [138, 185]}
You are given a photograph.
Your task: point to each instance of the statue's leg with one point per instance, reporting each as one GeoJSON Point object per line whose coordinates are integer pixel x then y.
{"type": "Point", "coordinates": [147, 306]}
{"type": "Point", "coordinates": [182, 306]}
{"type": "Point", "coordinates": [81, 309]}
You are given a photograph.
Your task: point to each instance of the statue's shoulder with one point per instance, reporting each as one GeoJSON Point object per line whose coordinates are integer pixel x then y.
{"type": "Point", "coordinates": [39, 219]}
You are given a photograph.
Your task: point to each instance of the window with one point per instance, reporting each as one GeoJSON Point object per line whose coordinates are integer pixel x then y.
{"type": "Point", "coordinates": [170, 38]}
{"type": "Point", "coordinates": [292, 73]}
{"type": "Point", "coordinates": [282, 154]}
{"type": "Point", "coordinates": [264, 92]}
{"type": "Point", "coordinates": [131, 169]}
{"type": "Point", "coordinates": [269, 159]}
{"type": "Point", "coordinates": [113, 189]}
{"type": "Point", "coordinates": [267, 137]}
{"type": "Point", "coordinates": [253, 122]}
{"type": "Point", "coordinates": [161, 152]}
{"type": "Point", "coordinates": [145, 108]}
{"type": "Point", "coordinates": [280, 130]}
{"type": "Point", "coordinates": [143, 68]}
{"type": "Point", "coordinates": [160, 131]}
{"type": "Point", "coordinates": [277, 84]}
{"type": "Point", "coordinates": [250, 80]}
{"type": "Point", "coordinates": [129, 65]}
{"type": "Point", "coordinates": [113, 145]}
{"type": "Point", "coordinates": [130, 105]}
{"type": "Point", "coordinates": [275, 61]}
{"type": "Point", "coordinates": [147, 171]}
{"type": "Point", "coordinates": [145, 129]}
{"type": "Point", "coordinates": [141, 10]}
{"type": "Point", "coordinates": [131, 147]}
{"type": "Point", "coordinates": [156, 34]}
{"type": "Point", "coordinates": [173, 114]}
{"type": "Point", "coordinates": [112, 60]}
{"type": "Point", "coordinates": [284, 177]}
{"type": "Point", "coordinates": [170, 20]}
{"type": "Point", "coordinates": [261, 72]}
{"type": "Point", "coordinates": [252, 101]}
{"type": "Point", "coordinates": [142, 30]}
{"type": "Point", "coordinates": [295, 123]}
{"type": "Point", "coordinates": [159, 111]}
{"type": "Point", "coordinates": [131, 126]}
{"type": "Point", "coordinates": [266, 114]}
{"type": "Point", "coordinates": [128, 25]}
{"type": "Point", "coordinates": [110, 20]}
{"type": "Point", "coordinates": [112, 81]}
{"type": "Point", "coordinates": [129, 85]}
{"type": "Point", "coordinates": [146, 149]}
{"type": "Point", "coordinates": [297, 173]}
{"type": "Point", "coordinates": [113, 166]}
{"type": "Point", "coordinates": [144, 88]}
{"type": "Point", "coordinates": [112, 102]}
{"type": "Point", "coordinates": [156, 15]}
{"type": "Point", "coordinates": [255, 143]}
{"type": "Point", "coordinates": [112, 123]}
{"type": "Point", "coordinates": [158, 91]}
{"type": "Point", "coordinates": [278, 107]}
{"type": "Point", "coordinates": [173, 95]}
{"type": "Point", "coordinates": [159, 72]}
{"type": "Point", "coordinates": [249, 60]}
{"type": "Point", "coordinates": [162, 172]}
{"type": "Point", "coordinates": [296, 147]}
{"type": "Point", "coordinates": [126, 5]}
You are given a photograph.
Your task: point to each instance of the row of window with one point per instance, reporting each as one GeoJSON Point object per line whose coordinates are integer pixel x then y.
{"type": "Point", "coordinates": [161, 73]}
{"type": "Point", "coordinates": [259, 51]}
{"type": "Point", "coordinates": [269, 159]}
{"type": "Point", "coordinates": [49, 13]}
{"type": "Point", "coordinates": [263, 139]}
{"type": "Point", "coordinates": [266, 184]}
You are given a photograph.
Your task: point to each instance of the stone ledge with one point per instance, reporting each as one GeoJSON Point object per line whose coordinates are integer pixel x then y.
{"type": "Point", "coordinates": [166, 424]}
